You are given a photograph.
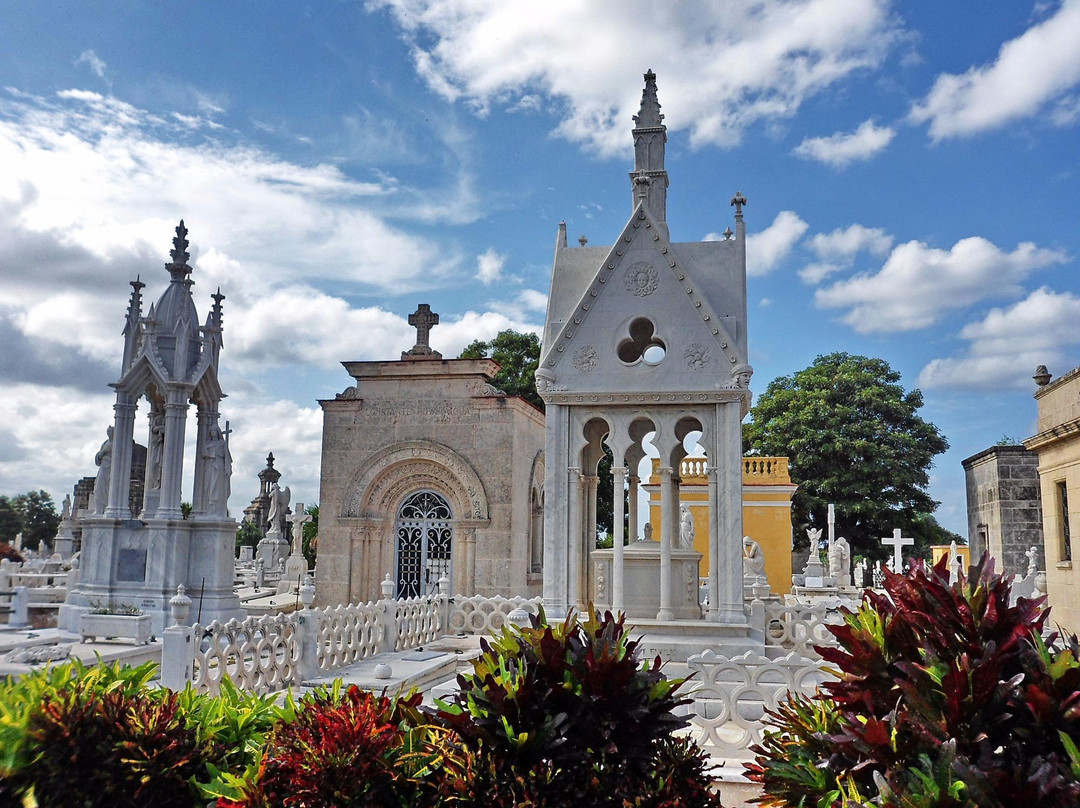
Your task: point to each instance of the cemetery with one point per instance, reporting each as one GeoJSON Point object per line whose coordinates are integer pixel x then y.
{"type": "Point", "coordinates": [460, 638]}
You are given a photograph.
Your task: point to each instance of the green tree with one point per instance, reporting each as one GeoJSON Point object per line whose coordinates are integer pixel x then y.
{"type": "Point", "coordinates": [855, 439]}
{"type": "Point", "coordinates": [518, 356]}
{"type": "Point", "coordinates": [248, 535]}
{"type": "Point", "coordinates": [10, 520]}
{"type": "Point", "coordinates": [37, 516]}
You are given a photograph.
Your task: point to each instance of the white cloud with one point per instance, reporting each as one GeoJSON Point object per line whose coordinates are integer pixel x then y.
{"type": "Point", "coordinates": [93, 61]}
{"type": "Point", "coordinates": [1032, 70]}
{"type": "Point", "coordinates": [526, 305]}
{"type": "Point", "coordinates": [766, 249]}
{"type": "Point", "coordinates": [918, 283]}
{"type": "Point", "coordinates": [837, 250]}
{"type": "Point", "coordinates": [1007, 344]}
{"type": "Point", "coordinates": [451, 336]}
{"type": "Point", "coordinates": [842, 148]}
{"type": "Point", "coordinates": [489, 266]}
{"type": "Point", "coordinates": [722, 67]}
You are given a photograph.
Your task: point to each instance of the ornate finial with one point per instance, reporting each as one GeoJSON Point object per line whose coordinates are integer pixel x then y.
{"type": "Point", "coordinates": [137, 284]}
{"type": "Point", "coordinates": [738, 201]}
{"type": "Point", "coordinates": [1042, 376]}
{"type": "Point", "coordinates": [179, 251]}
{"type": "Point", "coordinates": [649, 115]}
{"type": "Point", "coordinates": [728, 234]}
{"type": "Point", "coordinates": [582, 240]}
{"type": "Point", "coordinates": [270, 460]}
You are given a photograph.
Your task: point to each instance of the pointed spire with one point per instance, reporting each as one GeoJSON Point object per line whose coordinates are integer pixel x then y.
{"type": "Point", "coordinates": [131, 325]}
{"type": "Point", "coordinates": [649, 115]}
{"type": "Point", "coordinates": [178, 267]}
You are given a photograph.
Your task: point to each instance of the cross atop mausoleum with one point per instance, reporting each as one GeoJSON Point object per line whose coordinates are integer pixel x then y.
{"type": "Point", "coordinates": [422, 320]}
{"type": "Point", "coordinates": [896, 541]}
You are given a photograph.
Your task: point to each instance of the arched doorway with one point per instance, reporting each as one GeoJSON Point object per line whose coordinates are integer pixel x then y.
{"type": "Point", "coordinates": [424, 540]}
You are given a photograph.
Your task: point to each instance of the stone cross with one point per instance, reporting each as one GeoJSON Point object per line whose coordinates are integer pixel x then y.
{"type": "Point", "coordinates": [896, 541]}
{"type": "Point", "coordinates": [226, 432]}
{"type": "Point", "coordinates": [298, 518]}
{"type": "Point", "coordinates": [422, 319]}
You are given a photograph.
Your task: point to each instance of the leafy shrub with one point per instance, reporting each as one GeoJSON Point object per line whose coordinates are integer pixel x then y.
{"type": "Point", "coordinates": [348, 748]}
{"type": "Point", "coordinates": [566, 715]}
{"type": "Point", "coordinates": [948, 696]}
{"type": "Point", "coordinates": [112, 749]}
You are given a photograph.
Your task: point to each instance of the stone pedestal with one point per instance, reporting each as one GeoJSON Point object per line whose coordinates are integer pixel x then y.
{"type": "Point", "coordinates": [272, 550]}
{"type": "Point", "coordinates": [641, 581]}
{"type": "Point", "coordinates": [296, 570]}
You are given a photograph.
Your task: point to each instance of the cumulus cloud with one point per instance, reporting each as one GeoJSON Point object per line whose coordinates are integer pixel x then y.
{"type": "Point", "coordinates": [451, 337]}
{"type": "Point", "coordinates": [1008, 343]}
{"type": "Point", "coordinates": [842, 148]}
{"type": "Point", "coordinates": [721, 67]}
{"type": "Point", "coordinates": [772, 245]}
{"type": "Point", "coordinates": [489, 266]}
{"type": "Point", "coordinates": [837, 250]}
{"type": "Point", "coordinates": [1031, 71]}
{"type": "Point", "coordinates": [918, 283]}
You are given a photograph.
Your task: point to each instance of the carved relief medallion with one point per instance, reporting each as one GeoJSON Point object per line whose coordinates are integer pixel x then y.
{"type": "Point", "coordinates": [696, 356]}
{"type": "Point", "coordinates": [586, 358]}
{"type": "Point", "coordinates": [641, 279]}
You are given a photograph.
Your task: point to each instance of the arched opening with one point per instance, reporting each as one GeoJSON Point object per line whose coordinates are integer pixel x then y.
{"type": "Point", "coordinates": [424, 534]}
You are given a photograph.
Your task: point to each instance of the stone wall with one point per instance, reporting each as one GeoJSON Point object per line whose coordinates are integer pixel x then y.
{"type": "Point", "coordinates": [1004, 505]}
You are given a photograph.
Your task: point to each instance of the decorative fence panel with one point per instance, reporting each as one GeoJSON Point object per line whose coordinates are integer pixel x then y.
{"type": "Point", "coordinates": [732, 694]}
{"type": "Point", "coordinates": [797, 628]}
{"type": "Point", "coordinates": [480, 615]}
{"type": "Point", "coordinates": [417, 622]}
{"type": "Point", "coordinates": [259, 653]}
{"type": "Point", "coordinates": [347, 634]}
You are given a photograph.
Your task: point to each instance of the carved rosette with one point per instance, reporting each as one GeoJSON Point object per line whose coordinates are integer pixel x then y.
{"type": "Point", "coordinates": [586, 358]}
{"type": "Point", "coordinates": [697, 356]}
{"type": "Point", "coordinates": [641, 279]}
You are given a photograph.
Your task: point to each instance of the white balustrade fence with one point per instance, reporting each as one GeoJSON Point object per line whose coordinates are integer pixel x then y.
{"type": "Point", "coordinates": [796, 628]}
{"type": "Point", "coordinates": [271, 653]}
{"type": "Point", "coordinates": [480, 615]}
{"type": "Point", "coordinates": [259, 653]}
{"type": "Point", "coordinates": [732, 694]}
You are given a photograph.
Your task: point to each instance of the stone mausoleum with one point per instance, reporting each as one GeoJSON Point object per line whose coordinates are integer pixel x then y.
{"type": "Point", "coordinates": [646, 337]}
{"type": "Point", "coordinates": [170, 362]}
{"type": "Point", "coordinates": [429, 471]}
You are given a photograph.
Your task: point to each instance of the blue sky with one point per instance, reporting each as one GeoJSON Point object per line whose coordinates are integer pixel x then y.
{"type": "Point", "coordinates": [911, 170]}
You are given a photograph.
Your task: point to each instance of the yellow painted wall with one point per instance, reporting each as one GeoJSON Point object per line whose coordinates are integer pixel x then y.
{"type": "Point", "coordinates": [962, 550]}
{"type": "Point", "coordinates": [767, 492]}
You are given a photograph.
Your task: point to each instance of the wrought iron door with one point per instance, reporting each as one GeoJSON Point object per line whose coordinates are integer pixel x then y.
{"type": "Point", "coordinates": [424, 538]}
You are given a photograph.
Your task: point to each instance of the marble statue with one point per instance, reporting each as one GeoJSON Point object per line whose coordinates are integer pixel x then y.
{"type": "Point", "coordinates": [860, 573]}
{"type": "Point", "coordinates": [156, 451]}
{"type": "Point", "coordinates": [840, 562]}
{"type": "Point", "coordinates": [216, 480]}
{"type": "Point", "coordinates": [954, 564]}
{"type": "Point", "coordinates": [1032, 554]}
{"type": "Point", "coordinates": [814, 534]}
{"type": "Point", "coordinates": [648, 531]}
{"type": "Point", "coordinates": [279, 504]}
{"type": "Point", "coordinates": [103, 459]}
{"type": "Point", "coordinates": [65, 512]}
{"type": "Point", "coordinates": [753, 559]}
{"type": "Point", "coordinates": [686, 527]}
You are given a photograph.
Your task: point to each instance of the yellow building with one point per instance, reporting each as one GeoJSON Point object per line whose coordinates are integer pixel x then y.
{"type": "Point", "coordinates": [767, 492]}
{"type": "Point", "coordinates": [1057, 443]}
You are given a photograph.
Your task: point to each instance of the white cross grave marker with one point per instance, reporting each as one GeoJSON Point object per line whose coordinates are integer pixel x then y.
{"type": "Point", "coordinates": [298, 518]}
{"type": "Point", "coordinates": [896, 541]}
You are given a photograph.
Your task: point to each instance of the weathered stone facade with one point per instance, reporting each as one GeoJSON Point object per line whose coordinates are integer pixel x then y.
{"type": "Point", "coordinates": [1003, 506]}
{"type": "Point", "coordinates": [425, 424]}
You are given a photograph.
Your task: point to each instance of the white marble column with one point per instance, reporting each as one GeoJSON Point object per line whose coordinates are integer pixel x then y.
{"type": "Point", "coordinates": [558, 483]}
{"type": "Point", "coordinates": [203, 419]}
{"type": "Point", "coordinates": [667, 508]}
{"type": "Point", "coordinates": [632, 506]}
{"type": "Point", "coordinates": [575, 484]}
{"type": "Point", "coordinates": [118, 505]}
{"type": "Point", "coordinates": [172, 459]}
{"type": "Point", "coordinates": [618, 475]}
{"type": "Point", "coordinates": [729, 466]}
{"type": "Point", "coordinates": [713, 613]}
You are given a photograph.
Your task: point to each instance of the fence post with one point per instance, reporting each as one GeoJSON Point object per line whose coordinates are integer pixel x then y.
{"type": "Point", "coordinates": [178, 644]}
{"type": "Point", "coordinates": [757, 615]}
{"type": "Point", "coordinates": [444, 606]}
{"type": "Point", "coordinates": [307, 630]}
{"type": "Point", "coordinates": [387, 617]}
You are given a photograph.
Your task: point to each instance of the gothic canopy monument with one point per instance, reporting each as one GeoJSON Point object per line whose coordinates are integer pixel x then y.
{"type": "Point", "coordinates": [170, 362]}
{"type": "Point", "coordinates": [645, 336]}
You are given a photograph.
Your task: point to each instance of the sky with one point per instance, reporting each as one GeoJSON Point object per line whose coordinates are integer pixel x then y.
{"type": "Point", "coordinates": [911, 171]}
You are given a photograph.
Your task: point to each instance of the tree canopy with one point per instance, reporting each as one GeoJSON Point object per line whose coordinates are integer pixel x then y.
{"type": "Point", "coordinates": [854, 438]}
{"type": "Point", "coordinates": [518, 356]}
{"type": "Point", "coordinates": [33, 514]}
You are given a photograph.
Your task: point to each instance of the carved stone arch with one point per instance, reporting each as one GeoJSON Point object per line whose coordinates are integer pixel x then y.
{"type": "Point", "coordinates": [372, 486]}
{"type": "Point", "coordinates": [536, 514]}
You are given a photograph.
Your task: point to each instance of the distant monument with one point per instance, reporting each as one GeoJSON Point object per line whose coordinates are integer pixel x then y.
{"type": "Point", "coordinates": [170, 362]}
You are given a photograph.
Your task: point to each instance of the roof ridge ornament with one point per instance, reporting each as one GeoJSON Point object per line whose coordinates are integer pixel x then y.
{"type": "Point", "coordinates": [737, 202]}
{"type": "Point", "coordinates": [649, 116]}
{"type": "Point", "coordinates": [179, 268]}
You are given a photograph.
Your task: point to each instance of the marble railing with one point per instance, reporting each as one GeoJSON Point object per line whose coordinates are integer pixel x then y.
{"type": "Point", "coordinates": [796, 627]}
{"type": "Point", "coordinates": [756, 471]}
{"type": "Point", "coordinates": [480, 615]}
{"type": "Point", "coordinates": [259, 653]}
{"type": "Point", "coordinates": [731, 694]}
{"type": "Point", "coordinates": [347, 634]}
